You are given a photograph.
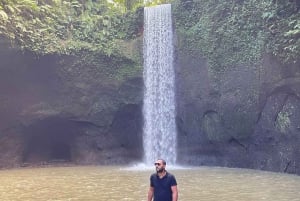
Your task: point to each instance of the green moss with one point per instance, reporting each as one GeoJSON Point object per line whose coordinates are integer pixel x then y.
{"type": "Point", "coordinates": [235, 32]}
{"type": "Point", "coordinates": [283, 122]}
{"type": "Point", "coordinates": [127, 71]}
{"type": "Point", "coordinates": [67, 27]}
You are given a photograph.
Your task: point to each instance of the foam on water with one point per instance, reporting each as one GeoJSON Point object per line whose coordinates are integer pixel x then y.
{"type": "Point", "coordinates": [146, 167]}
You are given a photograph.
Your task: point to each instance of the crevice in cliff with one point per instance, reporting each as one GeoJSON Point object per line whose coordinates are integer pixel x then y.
{"type": "Point", "coordinates": [236, 141]}
{"type": "Point", "coordinates": [281, 107]}
{"type": "Point", "coordinates": [50, 140]}
{"type": "Point", "coordinates": [287, 166]}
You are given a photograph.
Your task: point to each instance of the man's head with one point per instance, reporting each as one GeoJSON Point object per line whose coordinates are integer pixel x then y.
{"type": "Point", "coordinates": [160, 165]}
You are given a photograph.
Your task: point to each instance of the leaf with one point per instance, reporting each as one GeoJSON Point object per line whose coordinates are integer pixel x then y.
{"type": "Point", "coordinates": [23, 28]}
{"type": "Point", "coordinates": [57, 2]}
{"type": "Point", "coordinates": [3, 15]}
{"type": "Point", "coordinates": [75, 4]}
{"type": "Point", "coordinates": [292, 32]}
{"type": "Point", "coordinates": [10, 8]}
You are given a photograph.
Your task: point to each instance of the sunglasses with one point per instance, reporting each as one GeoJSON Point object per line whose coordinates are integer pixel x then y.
{"type": "Point", "coordinates": [158, 164]}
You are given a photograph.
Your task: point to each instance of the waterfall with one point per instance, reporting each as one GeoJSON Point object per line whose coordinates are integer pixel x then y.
{"type": "Point", "coordinates": [159, 94]}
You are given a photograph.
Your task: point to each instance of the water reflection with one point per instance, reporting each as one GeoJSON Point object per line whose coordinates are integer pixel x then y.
{"type": "Point", "coordinates": [131, 184]}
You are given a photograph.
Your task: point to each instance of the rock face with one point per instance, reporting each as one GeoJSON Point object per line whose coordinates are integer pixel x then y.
{"type": "Point", "coordinates": [246, 116]}
{"type": "Point", "coordinates": [55, 112]}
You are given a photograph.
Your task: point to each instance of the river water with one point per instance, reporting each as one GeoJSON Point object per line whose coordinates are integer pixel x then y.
{"type": "Point", "coordinates": [105, 183]}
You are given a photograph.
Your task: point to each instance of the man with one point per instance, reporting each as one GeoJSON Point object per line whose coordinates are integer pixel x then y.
{"type": "Point", "coordinates": [163, 185]}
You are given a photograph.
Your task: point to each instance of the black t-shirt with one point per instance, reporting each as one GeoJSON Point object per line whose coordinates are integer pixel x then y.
{"type": "Point", "coordinates": [162, 187]}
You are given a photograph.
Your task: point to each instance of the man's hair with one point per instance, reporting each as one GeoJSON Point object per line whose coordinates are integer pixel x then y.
{"type": "Point", "coordinates": [163, 161]}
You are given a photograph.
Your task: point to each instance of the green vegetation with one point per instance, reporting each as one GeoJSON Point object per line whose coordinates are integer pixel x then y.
{"type": "Point", "coordinates": [235, 32]}
{"type": "Point", "coordinates": [67, 27]}
{"type": "Point", "coordinates": [90, 30]}
{"type": "Point", "coordinates": [227, 33]}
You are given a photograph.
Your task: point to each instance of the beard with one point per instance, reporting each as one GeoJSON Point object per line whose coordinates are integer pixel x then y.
{"type": "Point", "coordinates": [160, 170]}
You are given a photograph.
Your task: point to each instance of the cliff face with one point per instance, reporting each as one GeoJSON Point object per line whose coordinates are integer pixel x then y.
{"type": "Point", "coordinates": [237, 106]}
{"type": "Point", "coordinates": [245, 116]}
{"type": "Point", "coordinates": [56, 110]}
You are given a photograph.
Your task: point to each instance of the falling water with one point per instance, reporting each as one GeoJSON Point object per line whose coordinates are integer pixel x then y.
{"type": "Point", "coordinates": [159, 96]}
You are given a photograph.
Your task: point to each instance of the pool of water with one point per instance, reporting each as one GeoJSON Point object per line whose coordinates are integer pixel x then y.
{"type": "Point", "coordinates": [106, 183]}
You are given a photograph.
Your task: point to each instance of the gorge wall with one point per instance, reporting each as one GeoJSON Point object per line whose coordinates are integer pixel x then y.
{"type": "Point", "coordinates": [55, 111]}
{"type": "Point", "coordinates": [246, 116]}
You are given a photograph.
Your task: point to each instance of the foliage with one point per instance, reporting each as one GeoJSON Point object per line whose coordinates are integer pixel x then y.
{"type": "Point", "coordinates": [133, 23]}
{"type": "Point", "coordinates": [128, 5]}
{"type": "Point", "coordinates": [237, 32]}
{"type": "Point", "coordinates": [65, 26]}
{"type": "Point", "coordinates": [283, 28]}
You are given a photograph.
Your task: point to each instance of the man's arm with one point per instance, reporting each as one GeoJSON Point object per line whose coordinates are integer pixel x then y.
{"type": "Point", "coordinates": [150, 193]}
{"type": "Point", "coordinates": [174, 193]}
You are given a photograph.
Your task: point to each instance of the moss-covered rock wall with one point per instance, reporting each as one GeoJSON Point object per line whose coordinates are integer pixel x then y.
{"type": "Point", "coordinates": [237, 76]}
{"type": "Point", "coordinates": [69, 109]}
{"type": "Point", "coordinates": [238, 92]}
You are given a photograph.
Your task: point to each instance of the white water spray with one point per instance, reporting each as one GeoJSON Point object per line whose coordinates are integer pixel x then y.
{"type": "Point", "coordinates": [159, 93]}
